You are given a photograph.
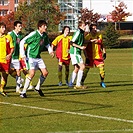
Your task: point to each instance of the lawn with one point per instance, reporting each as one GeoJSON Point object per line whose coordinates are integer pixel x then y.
{"type": "Point", "coordinates": [65, 110]}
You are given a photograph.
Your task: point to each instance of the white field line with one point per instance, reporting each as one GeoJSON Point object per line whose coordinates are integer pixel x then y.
{"type": "Point", "coordinates": [96, 131]}
{"type": "Point", "coordinates": [69, 112]}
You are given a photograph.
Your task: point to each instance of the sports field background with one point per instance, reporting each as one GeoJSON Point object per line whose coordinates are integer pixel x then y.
{"type": "Point", "coordinates": [65, 110]}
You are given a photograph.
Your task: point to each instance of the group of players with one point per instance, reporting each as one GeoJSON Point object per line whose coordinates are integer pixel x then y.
{"type": "Point", "coordinates": [19, 53]}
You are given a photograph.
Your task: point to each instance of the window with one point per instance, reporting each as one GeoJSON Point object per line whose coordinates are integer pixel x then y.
{"type": "Point", "coordinates": [3, 2]}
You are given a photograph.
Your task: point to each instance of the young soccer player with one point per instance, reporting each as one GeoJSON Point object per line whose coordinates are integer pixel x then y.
{"type": "Point", "coordinates": [95, 54]}
{"type": "Point", "coordinates": [36, 41]}
{"type": "Point", "coordinates": [75, 53]}
{"type": "Point", "coordinates": [15, 63]}
{"type": "Point", "coordinates": [62, 44]}
{"type": "Point", "coordinates": [6, 50]}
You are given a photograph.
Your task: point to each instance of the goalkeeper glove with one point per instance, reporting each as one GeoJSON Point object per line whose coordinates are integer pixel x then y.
{"type": "Point", "coordinates": [104, 56]}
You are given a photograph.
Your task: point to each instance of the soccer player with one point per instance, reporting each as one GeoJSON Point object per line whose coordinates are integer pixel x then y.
{"type": "Point", "coordinates": [62, 44]}
{"type": "Point", "coordinates": [15, 63]}
{"type": "Point", "coordinates": [95, 53]}
{"type": "Point", "coordinates": [36, 42]}
{"type": "Point", "coordinates": [6, 50]}
{"type": "Point", "coordinates": [75, 54]}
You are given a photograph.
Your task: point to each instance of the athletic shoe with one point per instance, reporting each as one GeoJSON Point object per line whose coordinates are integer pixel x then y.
{"type": "Point", "coordinates": [70, 84]}
{"type": "Point", "coordinates": [103, 84]}
{"type": "Point", "coordinates": [23, 95]}
{"type": "Point", "coordinates": [40, 92]}
{"type": "Point", "coordinates": [60, 83]}
{"type": "Point", "coordinates": [3, 93]}
{"type": "Point", "coordinates": [80, 87]}
{"type": "Point", "coordinates": [30, 87]}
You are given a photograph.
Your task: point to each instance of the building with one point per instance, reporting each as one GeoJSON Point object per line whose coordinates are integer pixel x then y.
{"type": "Point", "coordinates": [72, 9]}
{"type": "Point", "coordinates": [7, 6]}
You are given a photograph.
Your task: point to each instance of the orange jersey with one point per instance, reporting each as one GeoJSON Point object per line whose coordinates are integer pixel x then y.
{"type": "Point", "coordinates": [6, 44]}
{"type": "Point", "coordinates": [63, 46]}
{"type": "Point", "coordinates": [94, 50]}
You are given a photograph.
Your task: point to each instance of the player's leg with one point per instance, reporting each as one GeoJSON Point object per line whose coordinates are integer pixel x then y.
{"type": "Point", "coordinates": [43, 76]}
{"type": "Point", "coordinates": [85, 72]}
{"type": "Point", "coordinates": [4, 77]}
{"type": "Point", "coordinates": [100, 65]}
{"type": "Point", "coordinates": [66, 73]}
{"type": "Point", "coordinates": [102, 76]}
{"type": "Point", "coordinates": [32, 65]}
{"type": "Point", "coordinates": [60, 73]}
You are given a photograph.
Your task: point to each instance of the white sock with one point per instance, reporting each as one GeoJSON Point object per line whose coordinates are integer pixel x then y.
{"type": "Point", "coordinates": [26, 84]}
{"type": "Point", "coordinates": [79, 77]}
{"type": "Point", "coordinates": [40, 82]}
{"type": "Point", "coordinates": [18, 81]}
{"type": "Point", "coordinates": [73, 77]}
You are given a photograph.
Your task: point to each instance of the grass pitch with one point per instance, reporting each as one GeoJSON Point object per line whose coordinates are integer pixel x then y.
{"type": "Point", "coordinates": [65, 110]}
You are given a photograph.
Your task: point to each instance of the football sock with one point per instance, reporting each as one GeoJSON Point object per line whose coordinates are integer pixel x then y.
{"type": "Point", "coordinates": [26, 85]}
{"type": "Point", "coordinates": [79, 77]}
{"type": "Point", "coordinates": [60, 73]}
{"type": "Point", "coordinates": [18, 81]}
{"type": "Point", "coordinates": [85, 72]}
{"type": "Point", "coordinates": [66, 73]}
{"type": "Point", "coordinates": [73, 77]}
{"type": "Point", "coordinates": [40, 82]}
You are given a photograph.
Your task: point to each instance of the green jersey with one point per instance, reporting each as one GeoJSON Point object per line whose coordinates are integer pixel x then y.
{"type": "Point", "coordinates": [78, 38]}
{"type": "Point", "coordinates": [36, 43]}
{"type": "Point", "coordinates": [16, 42]}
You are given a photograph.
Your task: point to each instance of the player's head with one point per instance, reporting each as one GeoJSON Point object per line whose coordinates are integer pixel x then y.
{"type": "Point", "coordinates": [42, 26]}
{"type": "Point", "coordinates": [18, 26]}
{"type": "Point", "coordinates": [82, 25]}
{"type": "Point", "coordinates": [93, 26]}
{"type": "Point", "coordinates": [65, 30]}
{"type": "Point", "coordinates": [2, 27]}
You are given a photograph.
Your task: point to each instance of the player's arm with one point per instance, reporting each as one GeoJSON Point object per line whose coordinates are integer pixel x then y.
{"type": "Point", "coordinates": [50, 50]}
{"type": "Point", "coordinates": [77, 46]}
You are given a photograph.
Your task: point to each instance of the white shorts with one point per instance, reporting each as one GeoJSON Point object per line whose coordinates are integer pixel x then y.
{"type": "Point", "coordinates": [35, 63]}
{"type": "Point", "coordinates": [15, 64]}
{"type": "Point", "coordinates": [76, 59]}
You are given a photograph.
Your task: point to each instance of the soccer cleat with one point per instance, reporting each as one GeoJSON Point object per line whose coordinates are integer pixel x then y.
{"type": "Point", "coordinates": [40, 92]}
{"type": "Point", "coordinates": [70, 84]}
{"type": "Point", "coordinates": [103, 84]}
{"type": "Point", "coordinates": [30, 87]}
{"type": "Point", "coordinates": [80, 87]}
{"type": "Point", "coordinates": [60, 83]}
{"type": "Point", "coordinates": [23, 95]}
{"type": "Point", "coordinates": [3, 93]}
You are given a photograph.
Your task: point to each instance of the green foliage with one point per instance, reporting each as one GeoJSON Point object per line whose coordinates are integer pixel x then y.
{"type": "Point", "coordinates": [30, 13]}
{"type": "Point", "coordinates": [110, 36]}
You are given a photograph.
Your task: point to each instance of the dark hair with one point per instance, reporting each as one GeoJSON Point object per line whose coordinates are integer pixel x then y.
{"type": "Point", "coordinates": [80, 23]}
{"type": "Point", "coordinates": [2, 24]}
{"type": "Point", "coordinates": [40, 23]}
{"type": "Point", "coordinates": [17, 22]}
{"type": "Point", "coordinates": [64, 29]}
{"type": "Point", "coordinates": [93, 24]}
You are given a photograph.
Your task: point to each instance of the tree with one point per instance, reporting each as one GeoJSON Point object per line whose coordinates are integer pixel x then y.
{"type": "Point", "coordinates": [8, 20]}
{"type": "Point", "coordinates": [29, 14]}
{"type": "Point", "coordinates": [119, 14]}
{"type": "Point", "coordinates": [88, 16]}
{"type": "Point", "coordinates": [110, 36]}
